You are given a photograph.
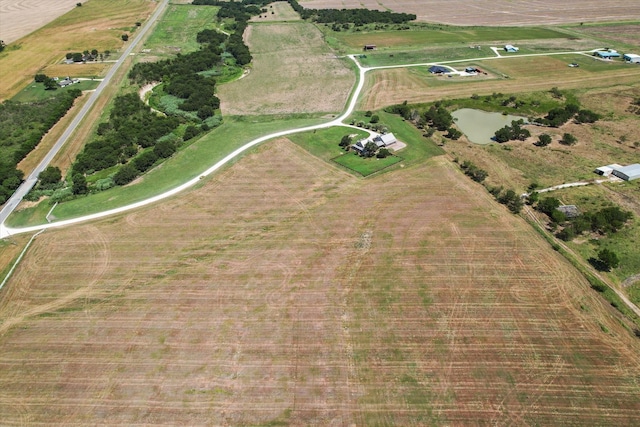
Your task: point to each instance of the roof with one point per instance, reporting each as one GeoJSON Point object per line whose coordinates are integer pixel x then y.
{"type": "Point", "coordinates": [570, 211]}
{"type": "Point", "coordinates": [386, 139]}
{"type": "Point", "coordinates": [606, 54]}
{"type": "Point", "coordinates": [438, 69]}
{"type": "Point", "coordinates": [631, 55]}
{"type": "Point", "coordinates": [632, 171]}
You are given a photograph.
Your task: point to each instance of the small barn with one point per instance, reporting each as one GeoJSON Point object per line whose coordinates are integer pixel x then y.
{"type": "Point", "coordinates": [570, 211]}
{"type": "Point", "coordinates": [385, 140]}
{"type": "Point", "coordinates": [437, 69]}
{"type": "Point", "coordinates": [631, 57]}
{"type": "Point", "coordinates": [606, 54]}
{"type": "Point", "coordinates": [607, 170]}
{"type": "Point", "coordinates": [628, 173]}
{"type": "Point", "coordinates": [369, 47]}
{"type": "Point", "coordinates": [510, 48]}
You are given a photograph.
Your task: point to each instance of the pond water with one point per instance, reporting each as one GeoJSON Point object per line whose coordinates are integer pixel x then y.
{"type": "Point", "coordinates": [480, 126]}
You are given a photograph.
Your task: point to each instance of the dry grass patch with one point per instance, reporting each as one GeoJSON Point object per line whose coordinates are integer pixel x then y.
{"type": "Point", "coordinates": [293, 71]}
{"type": "Point", "coordinates": [278, 11]}
{"type": "Point", "coordinates": [287, 291]}
{"type": "Point", "coordinates": [21, 17]}
{"type": "Point", "coordinates": [98, 24]}
{"type": "Point", "coordinates": [501, 12]}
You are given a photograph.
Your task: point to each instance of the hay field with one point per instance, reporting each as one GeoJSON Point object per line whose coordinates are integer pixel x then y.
{"type": "Point", "coordinates": [287, 292]}
{"type": "Point", "coordinates": [293, 71]}
{"type": "Point", "coordinates": [21, 17]}
{"type": "Point", "coordinates": [98, 24]}
{"type": "Point", "coordinates": [500, 12]}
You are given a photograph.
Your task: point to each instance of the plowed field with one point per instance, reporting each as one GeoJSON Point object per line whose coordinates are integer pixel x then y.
{"type": "Point", "coordinates": [285, 291]}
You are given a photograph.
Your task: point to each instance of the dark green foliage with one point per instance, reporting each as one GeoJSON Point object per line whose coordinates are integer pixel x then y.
{"type": "Point", "coordinates": [355, 16]}
{"type": "Point", "coordinates": [79, 184]}
{"type": "Point", "coordinates": [374, 119]}
{"type": "Point", "coordinates": [164, 149]}
{"type": "Point", "coordinates": [369, 149]}
{"type": "Point", "coordinates": [50, 84]}
{"type": "Point", "coordinates": [145, 161]}
{"type": "Point", "coordinates": [438, 117]}
{"type": "Point", "coordinates": [543, 140]}
{"type": "Point", "coordinates": [345, 141]}
{"type": "Point", "coordinates": [473, 171]}
{"type": "Point", "coordinates": [41, 78]}
{"type": "Point", "coordinates": [50, 177]}
{"type": "Point", "coordinates": [510, 199]}
{"type": "Point", "coordinates": [587, 116]}
{"type": "Point", "coordinates": [2, 45]}
{"type": "Point", "coordinates": [126, 174]}
{"type": "Point", "coordinates": [568, 139]}
{"type": "Point", "coordinates": [212, 37]}
{"type": "Point", "coordinates": [402, 109]}
{"type": "Point", "coordinates": [608, 220]}
{"type": "Point", "coordinates": [556, 117]}
{"type": "Point", "coordinates": [382, 153]}
{"type": "Point", "coordinates": [607, 260]}
{"type": "Point", "coordinates": [548, 205]}
{"type": "Point", "coordinates": [453, 133]}
{"type": "Point", "coordinates": [513, 132]}
{"type": "Point", "coordinates": [124, 37]}
{"type": "Point", "coordinates": [190, 132]}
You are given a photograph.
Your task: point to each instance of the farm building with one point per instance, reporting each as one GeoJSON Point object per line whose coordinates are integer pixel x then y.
{"type": "Point", "coordinates": [628, 173]}
{"type": "Point", "coordinates": [369, 47]}
{"type": "Point", "coordinates": [631, 57]}
{"type": "Point", "coordinates": [570, 211]}
{"type": "Point", "coordinates": [607, 170]}
{"type": "Point", "coordinates": [606, 54]}
{"type": "Point", "coordinates": [385, 140]}
{"type": "Point", "coordinates": [437, 69]}
{"type": "Point", "coordinates": [511, 48]}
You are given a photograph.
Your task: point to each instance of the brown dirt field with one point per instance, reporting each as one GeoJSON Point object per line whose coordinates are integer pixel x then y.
{"type": "Point", "coordinates": [21, 17]}
{"type": "Point", "coordinates": [43, 50]}
{"type": "Point", "coordinates": [387, 87]}
{"type": "Point", "coordinates": [285, 290]}
{"type": "Point", "coordinates": [293, 72]}
{"type": "Point", "coordinates": [497, 12]}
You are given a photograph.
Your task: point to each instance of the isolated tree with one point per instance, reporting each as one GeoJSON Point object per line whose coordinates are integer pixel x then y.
{"type": "Point", "coordinates": [382, 153]}
{"type": "Point", "coordinates": [345, 141]}
{"type": "Point", "coordinates": [124, 37]}
{"type": "Point", "coordinates": [453, 133]}
{"type": "Point", "coordinates": [41, 78]}
{"type": "Point", "coordinates": [94, 52]}
{"type": "Point", "coordinates": [79, 184]}
{"type": "Point", "coordinates": [2, 45]}
{"type": "Point", "coordinates": [543, 140]}
{"type": "Point", "coordinates": [608, 259]}
{"type": "Point", "coordinates": [374, 119]}
{"type": "Point", "coordinates": [77, 57]}
{"type": "Point", "coordinates": [50, 84]}
{"type": "Point", "coordinates": [568, 139]}
{"type": "Point", "coordinates": [78, 4]}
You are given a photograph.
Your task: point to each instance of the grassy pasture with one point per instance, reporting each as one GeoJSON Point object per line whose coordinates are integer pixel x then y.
{"type": "Point", "coordinates": [285, 291]}
{"type": "Point", "coordinates": [36, 91]}
{"type": "Point", "coordinates": [445, 36]}
{"type": "Point", "coordinates": [98, 24]}
{"type": "Point", "coordinates": [293, 72]}
{"type": "Point", "coordinates": [177, 29]}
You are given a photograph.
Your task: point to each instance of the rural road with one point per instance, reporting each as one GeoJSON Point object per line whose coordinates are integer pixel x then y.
{"type": "Point", "coordinates": [31, 180]}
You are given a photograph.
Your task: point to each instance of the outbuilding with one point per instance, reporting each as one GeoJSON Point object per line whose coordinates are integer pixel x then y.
{"type": "Point", "coordinates": [385, 140]}
{"type": "Point", "coordinates": [631, 57]}
{"type": "Point", "coordinates": [628, 173]}
{"type": "Point", "coordinates": [438, 69]}
{"type": "Point", "coordinates": [369, 47]}
{"type": "Point", "coordinates": [606, 54]}
{"type": "Point", "coordinates": [607, 170]}
{"type": "Point", "coordinates": [511, 48]}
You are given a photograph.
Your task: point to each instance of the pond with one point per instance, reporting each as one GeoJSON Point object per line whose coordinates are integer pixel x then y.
{"type": "Point", "coordinates": [480, 126]}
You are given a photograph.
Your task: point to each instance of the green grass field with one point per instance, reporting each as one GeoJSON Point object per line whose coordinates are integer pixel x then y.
{"type": "Point", "coordinates": [365, 166]}
{"type": "Point", "coordinates": [36, 91]}
{"type": "Point", "coordinates": [425, 55]}
{"type": "Point", "coordinates": [176, 31]}
{"type": "Point", "coordinates": [445, 35]}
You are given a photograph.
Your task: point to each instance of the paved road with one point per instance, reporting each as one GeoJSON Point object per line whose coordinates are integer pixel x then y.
{"type": "Point", "coordinates": [31, 180]}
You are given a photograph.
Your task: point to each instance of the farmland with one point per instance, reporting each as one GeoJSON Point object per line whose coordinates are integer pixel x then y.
{"type": "Point", "coordinates": [497, 13]}
{"type": "Point", "coordinates": [20, 17]}
{"type": "Point", "coordinates": [427, 303]}
{"type": "Point", "coordinates": [284, 290]}
{"type": "Point", "coordinates": [98, 24]}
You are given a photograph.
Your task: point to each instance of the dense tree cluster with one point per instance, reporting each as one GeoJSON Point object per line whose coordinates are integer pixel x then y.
{"type": "Point", "coordinates": [131, 127]}
{"type": "Point", "coordinates": [438, 117]}
{"type": "Point", "coordinates": [22, 126]}
{"type": "Point", "coordinates": [355, 16]}
{"type": "Point", "coordinates": [558, 116]}
{"type": "Point", "coordinates": [473, 171]}
{"type": "Point", "coordinates": [513, 132]}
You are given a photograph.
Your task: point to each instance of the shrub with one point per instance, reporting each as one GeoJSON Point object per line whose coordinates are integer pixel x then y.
{"type": "Point", "coordinates": [568, 139]}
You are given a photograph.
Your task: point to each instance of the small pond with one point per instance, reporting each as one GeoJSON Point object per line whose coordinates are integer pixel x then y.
{"type": "Point", "coordinates": [480, 126]}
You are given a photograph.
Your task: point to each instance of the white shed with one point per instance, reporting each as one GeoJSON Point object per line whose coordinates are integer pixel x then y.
{"type": "Point", "coordinates": [607, 170]}
{"type": "Point", "coordinates": [631, 57]}
{"type": "Point", "coordinates": [628, 173]}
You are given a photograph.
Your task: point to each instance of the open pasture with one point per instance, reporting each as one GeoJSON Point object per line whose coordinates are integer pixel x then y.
{"type": "Point", "coordinates": [287, 292]}
{"type": "Point", "coordinates": [98, 24]}
{"type": "Point", "coordinates": [293, 72]}
{"type": "Point", "coordinates": [498, 13]}
{"type": "Point", "coordinates": [176, 31]}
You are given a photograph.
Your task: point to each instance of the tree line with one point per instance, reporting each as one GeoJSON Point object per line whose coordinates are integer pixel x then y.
{"type": "Point", "coordinates": [22, 126]}
{"type": "Point", "coordinates": [355, 16]}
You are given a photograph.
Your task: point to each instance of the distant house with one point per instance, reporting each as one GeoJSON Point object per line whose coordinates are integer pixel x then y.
{"type": "Point", "coordinates": [606, 54]}
{"type": "Point", "coordinates": [381, 141]}
{"type": "Point", "coordinates": [369, 47]}
{"type": "Point", "coordinates": [628, 173]}
{"type": "Point", "coordinates": [437, 69]}
{"type": "Point", "coordinates": [631, 57]}
{"type": "Point", "coordinates": [511, 48]}
{"type": "Point", "coordinates": [67, 81]}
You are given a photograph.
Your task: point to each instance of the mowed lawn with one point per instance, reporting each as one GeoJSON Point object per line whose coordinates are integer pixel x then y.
{"type": "Point", "coordinates": [98, 24]}
{"type": "Point", "coordinates": [287, 292]}
{"type": "Point", "coordinates": [293, 71]}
